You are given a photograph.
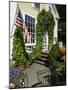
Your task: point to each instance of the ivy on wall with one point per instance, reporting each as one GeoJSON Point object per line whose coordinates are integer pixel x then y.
{"type": "Point", "coordinates": [45, 21]}
{"type": "Point", "coordinates": [51, 25]}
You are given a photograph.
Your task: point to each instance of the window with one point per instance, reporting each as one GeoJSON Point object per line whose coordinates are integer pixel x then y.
{"type": "Point", "coordinates": [36, 6]}
{"type": "Point", "coordinates": [30, 23]}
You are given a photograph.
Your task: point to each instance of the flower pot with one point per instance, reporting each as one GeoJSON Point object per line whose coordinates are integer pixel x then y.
{"type": "Point", "coordinates": [62, 51]}
{"type": "Point", "coordinates": [27, 65]}
{"type": "Point", "coordinates": [21, 66]}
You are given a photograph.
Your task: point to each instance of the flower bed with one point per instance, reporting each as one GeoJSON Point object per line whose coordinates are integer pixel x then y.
{"type": "Point", "coordinates": [16, 78]}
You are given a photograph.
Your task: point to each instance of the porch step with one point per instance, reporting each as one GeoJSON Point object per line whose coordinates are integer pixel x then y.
{"type": "Point", "coordinates": [39, 62]}
{"type": "Point", "coordinates": [45, 53]}
{"type": "Point", "coordinates": [42, 59]}
{"type": "Point", "coordinates": [44, 56]}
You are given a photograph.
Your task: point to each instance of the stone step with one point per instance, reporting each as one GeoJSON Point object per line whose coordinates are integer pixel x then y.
{"type": "Point", "coordinates": [32, 78]}
{"type": "Point", "coordinates": [44, 56]}
{"type": "Point", "coordinates": [45, 53]}
{"type": "Point", "coordinates": [42, 59]}
{"type": "Point", "coordinates": [38, 85]}
{"type": "Point", "coordinates": [39, 62]}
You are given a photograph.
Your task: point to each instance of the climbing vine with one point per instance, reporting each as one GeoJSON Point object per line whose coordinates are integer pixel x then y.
{"type": "Point", "coordinates": [50, 28]}
{"type": "Point", "coordinates": [45, 21]}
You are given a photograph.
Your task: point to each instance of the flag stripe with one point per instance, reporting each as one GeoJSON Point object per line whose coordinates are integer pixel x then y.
{"type": "Point", "coordinates": [20, 23]}
{"type": "Point", "coordinates": [18, 19]}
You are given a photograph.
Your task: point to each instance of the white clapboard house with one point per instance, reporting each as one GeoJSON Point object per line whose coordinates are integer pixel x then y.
{"type": "Point", "coordinates": [29, 14]}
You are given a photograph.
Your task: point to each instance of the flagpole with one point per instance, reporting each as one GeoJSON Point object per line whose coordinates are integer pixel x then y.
{"type": "Point", "coordinates": [17, 7]}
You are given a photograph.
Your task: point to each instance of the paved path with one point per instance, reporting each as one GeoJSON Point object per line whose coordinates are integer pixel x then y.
{"type": "Point", "coordinates": [35, 74]}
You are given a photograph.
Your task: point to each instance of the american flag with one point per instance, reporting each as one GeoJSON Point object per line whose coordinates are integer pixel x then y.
{"type": "Point", "coordinates": [20, 23]}
{"type": "Point", "coordinates": [19, 19]}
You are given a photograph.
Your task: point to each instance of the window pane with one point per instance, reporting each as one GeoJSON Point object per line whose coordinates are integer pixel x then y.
{"type": "Point", "coordinates": [26, 23]}
{"type": "Point", "coordinates": [37, 6]}
{"type": "Point", "coordinates": [33, 21]}
{"type": "Point", "coordinates": [30, 23]}
{"type": "Point", "coordinates": [28, 29]}
{"type": "Point", "coordinates": [28, 19]}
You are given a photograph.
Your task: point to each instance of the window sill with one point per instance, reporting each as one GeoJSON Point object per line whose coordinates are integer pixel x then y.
{"type": "Point", "coordinates": [30, 44]}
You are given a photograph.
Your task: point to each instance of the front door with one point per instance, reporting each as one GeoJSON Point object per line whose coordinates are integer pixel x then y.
{"type": "Point", "coordinates": [45, 41]}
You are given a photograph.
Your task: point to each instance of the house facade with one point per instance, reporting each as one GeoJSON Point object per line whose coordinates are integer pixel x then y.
{"type": "Point", "coordinates": [29, 13]}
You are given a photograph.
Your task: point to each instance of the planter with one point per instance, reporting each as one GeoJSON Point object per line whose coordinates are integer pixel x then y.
{"type": "Point", "coordinates": [62, 51]}
{"type": "Point", "coordinates": [21, 66]}
{"type": "Point", "coordinates": [27, 65]}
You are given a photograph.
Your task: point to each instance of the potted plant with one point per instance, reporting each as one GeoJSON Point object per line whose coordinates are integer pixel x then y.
{"type": "Point", "coordinates": [18, 51]}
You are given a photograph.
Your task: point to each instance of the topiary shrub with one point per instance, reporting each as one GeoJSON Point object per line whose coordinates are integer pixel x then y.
{"type": "Point", "coordinates": [19, 54]}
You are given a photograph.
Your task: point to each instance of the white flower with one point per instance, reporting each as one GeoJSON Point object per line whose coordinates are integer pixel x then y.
{"type": "Point", "coordinates": [20, 81]}
{"type": "Point", "coordinates": [12, 85]}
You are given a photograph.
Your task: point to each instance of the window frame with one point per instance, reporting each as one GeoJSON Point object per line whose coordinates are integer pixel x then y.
{"type": "Point", "coordinates": [30, 44]}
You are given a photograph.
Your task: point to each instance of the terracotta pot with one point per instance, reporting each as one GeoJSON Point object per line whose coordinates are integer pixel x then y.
{"type": "Point", "coordinates": [21, 67]}
{"type": "Point", "coordinates": [27, 65]}
{"type": "Point", "coordinates": [62, 51]}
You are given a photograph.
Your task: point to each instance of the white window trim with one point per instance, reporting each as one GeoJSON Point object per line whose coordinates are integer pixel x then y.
{"type": "Point", "coordinates": [33, 5]}
{"type": "Point", "coordinates": [50, 6]}
{"type": "Point", "coordinates": [23, 13]}
{"type": "Point", "coordinates": [29, 51]}
{"type": "Point", "coordinates": [30, 44]}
